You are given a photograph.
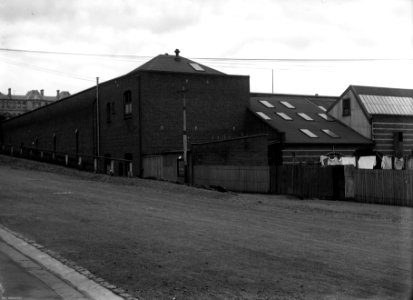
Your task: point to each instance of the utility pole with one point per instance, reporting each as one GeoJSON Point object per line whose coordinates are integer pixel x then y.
{"type": "Point", "coordinates": [272, 81]}
{"type": "Point", "coordinates": [184, 135]}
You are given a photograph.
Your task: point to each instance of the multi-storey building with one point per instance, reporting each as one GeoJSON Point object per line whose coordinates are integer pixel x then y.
{"type": "Point", "coordinates": [14, 105]}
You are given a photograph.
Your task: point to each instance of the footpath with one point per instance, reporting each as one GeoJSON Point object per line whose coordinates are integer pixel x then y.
{"type": "Point", "coordinates": [26, 272]}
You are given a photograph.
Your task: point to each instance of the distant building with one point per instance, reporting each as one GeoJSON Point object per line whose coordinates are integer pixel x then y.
{"type": "Point", "coordinates": [14, 105]}
{"type": "Point", "coordinates": [384, 115]}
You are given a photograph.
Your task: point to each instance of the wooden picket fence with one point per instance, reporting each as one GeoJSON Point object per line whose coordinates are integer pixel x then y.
{"type": "Point", "coordinates": [391, 187]}
{"type": "Point", "coordinates": [250, 179]}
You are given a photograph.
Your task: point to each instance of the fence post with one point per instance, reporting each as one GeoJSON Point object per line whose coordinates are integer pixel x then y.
{"type": "Point", "coordinates": [66, 159]}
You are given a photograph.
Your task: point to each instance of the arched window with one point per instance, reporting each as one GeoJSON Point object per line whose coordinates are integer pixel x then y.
{"type": "Point", "coordinates": [77, 141]}
{"type": "Point", "coordinates": [54, 142]}
{"type": "Point", "coordinates": [127, 104]}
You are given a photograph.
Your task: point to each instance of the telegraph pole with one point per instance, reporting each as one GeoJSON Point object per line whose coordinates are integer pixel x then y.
{"type": "Point", "coordinates": [184, 134]}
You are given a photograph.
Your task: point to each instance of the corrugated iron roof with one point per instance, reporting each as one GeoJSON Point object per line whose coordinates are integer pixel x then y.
{"type": "Point", "coordinates": [388, 105]}
{"type": "Point", "coordinates": [293, 129]}
{"type": "Point", "coordinates": [384, 101]}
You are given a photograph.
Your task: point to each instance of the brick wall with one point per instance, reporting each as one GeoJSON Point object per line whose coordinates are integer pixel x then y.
{"type": "Point", "coordinates": [60, 119]}
{"type": "Point", "coordinates": [247, 151]}
{"type": "Point", "coordinates": [215, 108]}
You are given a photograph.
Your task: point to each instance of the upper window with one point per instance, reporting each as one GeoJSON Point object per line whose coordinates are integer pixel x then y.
{"type": "Point", "coordinates": [287, 104]}
{"type": "Point", "coordinates": [267, 104]}
{"type": "Point", "coordinates": [309, 133]}
{"type": "Point", "coordinates": [127, 103]}
{"type": "Point", "coordinates": [305, 116]}
{"type": "Point", "coordinates": [108, 113]}
{"type": "Point", "coordinates": [346, 107]}
{"type": "Point", "coordinates": [284, 116]}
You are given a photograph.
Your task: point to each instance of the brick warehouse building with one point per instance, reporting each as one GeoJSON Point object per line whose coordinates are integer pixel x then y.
{"type": "Point", "coordinates": [140, 113]}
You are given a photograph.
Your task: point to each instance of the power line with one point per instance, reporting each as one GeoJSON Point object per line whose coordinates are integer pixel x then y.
{"type": "Point", "coordinates": [50, 71]}
{"type": "Point", "coordinates": [222, 59]}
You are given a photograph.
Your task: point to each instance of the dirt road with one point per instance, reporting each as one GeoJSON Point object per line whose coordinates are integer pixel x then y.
{"type": "Point", "coordinates": [160, 240]}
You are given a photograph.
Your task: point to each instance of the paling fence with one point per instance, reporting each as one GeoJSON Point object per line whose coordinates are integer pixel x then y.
{"type": "Point", "coordinates": [251, 179]}
{"type": "Point", "coordinates": [308, 181]}
{"type": "Point", "coordinates": [391, 187]}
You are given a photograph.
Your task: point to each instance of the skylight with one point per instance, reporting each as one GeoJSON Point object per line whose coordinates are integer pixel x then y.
{"type": "Point", "coordinates": [330, 133]}
{"type": "Point", "coordinates": [262, 115]}
{"type": "Point", "coordinates": [309, 133]}
{"type": "Point", "coordinates": [322, 108]}
{"type": "Point", "coordinates": [197, 67]}
{"type": "Point", "coordinates": [324, 116]}
{"type": "Point", "coordinates": [305, 116]}
{"type": "Point", "coordinates": [267, 104]}
{"type": "Point", "coordinates": [284, 116]}
{"type": "Point", "coordinates": [287, 104]}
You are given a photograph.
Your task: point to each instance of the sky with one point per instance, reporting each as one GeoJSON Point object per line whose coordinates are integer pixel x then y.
{"type": "Point", "coordinates": [285, 46]}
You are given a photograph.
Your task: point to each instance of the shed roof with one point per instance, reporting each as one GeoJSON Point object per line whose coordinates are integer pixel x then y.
{"type": "Point", "coordinates": [304, 122]}
{"type": "Point", "coordinates": [385, 101]}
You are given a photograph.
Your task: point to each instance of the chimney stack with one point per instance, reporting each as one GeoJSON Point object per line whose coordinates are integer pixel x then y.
{"type": "Point", "coordinates": [42, 92]}
{"type": "Point", "coordinates": [177, 58]}
{"type": "Point", "coordinates": [57, 94]}
{"type": "Point", "coordinates": [9, 91]}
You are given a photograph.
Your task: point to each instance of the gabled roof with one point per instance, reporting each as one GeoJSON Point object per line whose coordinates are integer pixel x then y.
{"type": "Point", "coordinates": [383, 101]}
{"type": "Point", "coordinates": [304, 118]}
{"type": "Point", "coordinates": [176, 64]}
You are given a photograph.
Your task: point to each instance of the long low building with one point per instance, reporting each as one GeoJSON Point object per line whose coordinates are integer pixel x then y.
{"type": "Point", "coordinates": [137, 114]}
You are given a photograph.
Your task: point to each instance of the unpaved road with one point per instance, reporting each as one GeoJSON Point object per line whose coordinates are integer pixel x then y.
{"type": "Point", "coordinates": [160, 240]}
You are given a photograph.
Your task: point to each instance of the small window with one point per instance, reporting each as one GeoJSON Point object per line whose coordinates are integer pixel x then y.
{"type": "Point", "coordinates": [127, 102]}
{"type": "Point", "coordinates": [305, 116]}
{"type": "Point", "coordinates": [284, 116]}
{"type": "Point", "coordinates": [324, 116]}
{"type": "Point", "coordinates": [287, 104]}
{"type": "Point", "coordinates": [400, 136]}
{"type": "Point", "coordinates": [322, 108]}
{"type": "Point", "coordinates": [309, 133]}
{"type": "Point", "coordinates": [346, 107]}
{"type": "Point", "coordinates": [267, 104]}
{"type": "Point", "coordinates": [330, 133]}
{"type": "Point", "coordinates": [262, 115]}
{"type": "Point", "coordinates": [197, 67]}
{"type": "Point", "coordinates": [108, 112]}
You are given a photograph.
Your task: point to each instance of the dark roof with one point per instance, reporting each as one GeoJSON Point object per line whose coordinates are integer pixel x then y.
{"type": "Point", "coordinates": [291, 128]}
{"type": "Point", "coordinates": [324, 101]}
{"type": "Point", "coordinates": [176, 64]}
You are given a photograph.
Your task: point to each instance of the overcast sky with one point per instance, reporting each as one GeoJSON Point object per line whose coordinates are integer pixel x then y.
{"type": "Point", "coordinates": [134, 31]}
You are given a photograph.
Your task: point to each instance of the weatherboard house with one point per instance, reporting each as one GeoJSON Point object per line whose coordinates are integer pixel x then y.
{"type": "Point", "coordinates": [383, 115]}
{"type": "Point", "coordinates": [137, 114]}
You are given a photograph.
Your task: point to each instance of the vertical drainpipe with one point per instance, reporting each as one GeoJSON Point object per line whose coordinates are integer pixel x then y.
{"type": "Point", "coordinates": [140, 125]}
{"type": "Point", "coordinates": [97, 119]}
